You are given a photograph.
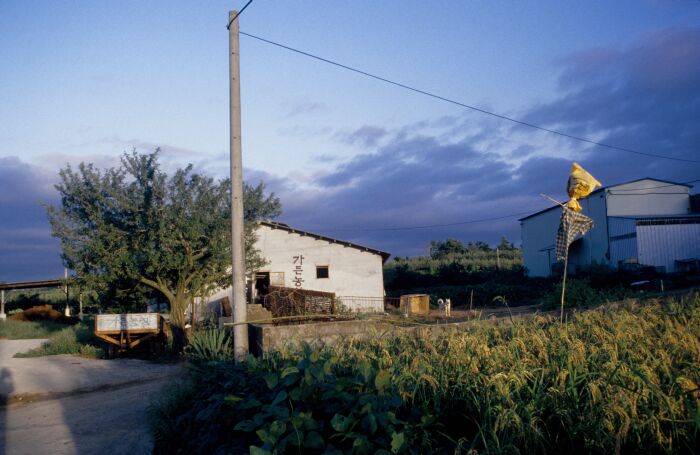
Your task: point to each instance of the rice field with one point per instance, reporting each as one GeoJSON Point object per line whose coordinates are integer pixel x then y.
{"type": "Point", "coordinates": [620, 379]}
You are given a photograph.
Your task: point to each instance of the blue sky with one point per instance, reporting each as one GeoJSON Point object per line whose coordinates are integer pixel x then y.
{"type": "Point", "coordinates": [348, 155]}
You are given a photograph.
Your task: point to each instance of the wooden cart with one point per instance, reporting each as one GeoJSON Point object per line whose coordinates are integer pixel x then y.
{"type": "Point", "coordinates": [123, 332]}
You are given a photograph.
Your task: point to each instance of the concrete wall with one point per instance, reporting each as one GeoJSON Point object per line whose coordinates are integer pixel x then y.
{"type": "Point", "coordinates": [352, 272]}
{"type": "Point", "coordinates": [266, 338]}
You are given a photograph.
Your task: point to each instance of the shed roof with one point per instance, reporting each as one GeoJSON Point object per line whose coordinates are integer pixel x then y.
{"type": "Point", "coordinates": [277, 225]}
{"type": "Point", "coordinates": [610, 187]}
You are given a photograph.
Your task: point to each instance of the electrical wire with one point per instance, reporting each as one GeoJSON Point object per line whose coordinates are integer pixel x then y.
{"type": "Point", "coordinates": [461, 223]}
{"type": "Point", "coordinates": [467, 106]}
{"type": "Point", "coordinates": [431, 226]}
{"type": "Point", "coordinates": [228, 27]}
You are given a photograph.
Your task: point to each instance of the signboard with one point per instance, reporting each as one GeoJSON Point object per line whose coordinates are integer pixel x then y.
{"type": "Point", "coordinates": [124, 322]}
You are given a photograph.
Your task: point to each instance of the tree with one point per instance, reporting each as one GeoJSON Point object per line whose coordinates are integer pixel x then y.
{"type": "Point", "coordinates": [442, 249]}
{"type": "Point", "coordinates": [505, 245]}
{"type": "Point", "coordinates": [134, 227]}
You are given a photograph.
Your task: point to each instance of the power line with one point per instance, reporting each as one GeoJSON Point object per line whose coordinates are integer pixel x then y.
{"type": "Point", "coordinates": [461, 223]}
{"type": "Point", "coordinates": [430, 226]}
{"type": "Point", "coordinates": [458, 103]}
{"type": "Point", "coordinates": [228, 27]}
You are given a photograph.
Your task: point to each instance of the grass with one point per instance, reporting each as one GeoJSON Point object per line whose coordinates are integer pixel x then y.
{"type": "Point", "coordinates": [78, 340]}
{"type": "Point", "coordinates": [615, 380]}
{"type": "Point", "coordinates": [23, 330]}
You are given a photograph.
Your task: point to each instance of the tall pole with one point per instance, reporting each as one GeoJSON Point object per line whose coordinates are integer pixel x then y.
{"type": "Point", "coordinates": [65, 291]}
{"type": "Point", "coordinates": [563, 285]}
{"type": "Point", "coordinates": [3, 316]}
{"type": "Point", "coordinates": [240, 331]}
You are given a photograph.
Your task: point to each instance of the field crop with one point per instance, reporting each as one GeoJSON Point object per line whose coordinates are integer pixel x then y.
{"type": "Point", "coordinates": [621, 379]}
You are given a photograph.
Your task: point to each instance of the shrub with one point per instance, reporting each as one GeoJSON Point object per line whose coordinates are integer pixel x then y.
{"type": "Point", "coordinates": [580, 294]}
{"type": "Point", "coordinates": [210, 345]}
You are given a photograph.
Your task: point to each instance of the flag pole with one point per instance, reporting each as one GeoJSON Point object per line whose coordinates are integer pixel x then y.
{"type": "Point", "coordinates": [563, 285]}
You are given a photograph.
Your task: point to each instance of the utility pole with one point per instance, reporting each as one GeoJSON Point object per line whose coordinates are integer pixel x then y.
{"type": "Point", "coordinates": [240, 331]}
{"type": "Point", "coordinates": [3, 316]}
{"type": "Point", "coordinates": [65, 291]}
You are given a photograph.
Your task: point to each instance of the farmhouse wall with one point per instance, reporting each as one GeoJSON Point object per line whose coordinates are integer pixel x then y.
{"type": "Point", "coordinates": [351, 271]}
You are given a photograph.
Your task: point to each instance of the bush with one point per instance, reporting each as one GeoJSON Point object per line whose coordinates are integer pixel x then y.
{"type": "Point", "coordinates": [210, 345]}
{"type": "Point", "coordinates": [612, 380]}
{"type": "Point", "coordinates": [580, 294]}
{"type": "Point", "coordinates": [43, 313]}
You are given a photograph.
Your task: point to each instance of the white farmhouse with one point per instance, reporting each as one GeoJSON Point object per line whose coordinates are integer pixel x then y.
{"type": "Point", "coordinates": [304, 260]}
{"type": "Point", "coordinates": [646, 222]}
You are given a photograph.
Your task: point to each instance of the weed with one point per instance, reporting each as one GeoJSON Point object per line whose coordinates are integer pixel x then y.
{"type": "Point", "coordinates": [21, 330]}
{"type": "Point", "coordinates": [78, 339]}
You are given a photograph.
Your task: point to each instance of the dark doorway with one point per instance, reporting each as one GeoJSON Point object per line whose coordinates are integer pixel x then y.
{"type": "Point", "coordinates": [262, 286]}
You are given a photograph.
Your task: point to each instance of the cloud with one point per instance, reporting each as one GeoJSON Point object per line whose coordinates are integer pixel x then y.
{"type": "Point", "coordinates": [366, 136]}
{"type": "Point", "coordinates": [26, 247]}
{"type": "Point", "coordinates": [645, 97]}
{"type": "Point", "coordinates": [301, 108]}
{"type": "Point", "coordinates": [459, 168]}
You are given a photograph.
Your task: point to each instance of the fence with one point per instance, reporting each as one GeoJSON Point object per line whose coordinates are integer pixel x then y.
{"type": "Point", "coordinates": [362, 304]}
{"type": "Point", "coordinates": [282, 301]}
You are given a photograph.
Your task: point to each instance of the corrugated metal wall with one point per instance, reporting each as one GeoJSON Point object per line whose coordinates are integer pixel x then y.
{"type": "Point", "coordinates": [662, 244]}
{"type": "Point", "coordinates": [623, 239]}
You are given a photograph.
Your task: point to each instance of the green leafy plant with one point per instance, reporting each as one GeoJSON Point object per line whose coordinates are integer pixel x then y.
{"type": "Point", "coordinates": [210, 345]}
{"type": "Point", "coordinates": [613, 380]}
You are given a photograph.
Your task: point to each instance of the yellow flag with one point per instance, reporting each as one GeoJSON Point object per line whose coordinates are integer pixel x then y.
{"type": "Point", "coordinates": [580, 185]}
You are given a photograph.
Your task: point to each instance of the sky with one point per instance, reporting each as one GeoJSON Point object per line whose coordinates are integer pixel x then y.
{"type": "Point", "coordinates": [349, 156]}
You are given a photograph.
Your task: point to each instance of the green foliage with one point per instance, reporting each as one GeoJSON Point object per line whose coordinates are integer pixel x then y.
{"type": "Point", "coordinates": [210, 345]}
{"type": "Point", "coordinates": [23, 330]}
{"type": "Point", "coordinates": [610, 381]}
{"type": "Point", "coordinates": [133, 230]}
{"type": "Point", "coordinates": [78, 339]}
{"type": "Point", "coordinates": [580, 294]}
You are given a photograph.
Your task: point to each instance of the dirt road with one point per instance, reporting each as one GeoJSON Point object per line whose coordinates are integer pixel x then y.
{"type": "Point", "coordinates": [69, 405]}
{"type": "Point", "coordinates": [102, 422]}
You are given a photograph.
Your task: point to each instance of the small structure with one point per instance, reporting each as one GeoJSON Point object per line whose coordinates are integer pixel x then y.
{"type": "Point", "coordinates": [126, 331]}
{"type": "Point", "coordinates": [646, 222]}
{"type": "Point", "coordinates": [418, 304]}
{"type": "Point", "coordinates": [301, 260]}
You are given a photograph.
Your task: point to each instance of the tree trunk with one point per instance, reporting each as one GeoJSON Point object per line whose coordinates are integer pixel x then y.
{"type": "Point", "coordinates": [178, 306]}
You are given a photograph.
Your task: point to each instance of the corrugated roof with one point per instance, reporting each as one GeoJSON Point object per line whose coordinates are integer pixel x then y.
{"type": "Point", "coordinates": [610, 187]}
{"type": "Point", "coordinates": [285, 227]}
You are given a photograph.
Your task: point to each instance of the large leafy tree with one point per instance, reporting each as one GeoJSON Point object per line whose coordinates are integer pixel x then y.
{"type": "Point", "coordinates": [133, 227]}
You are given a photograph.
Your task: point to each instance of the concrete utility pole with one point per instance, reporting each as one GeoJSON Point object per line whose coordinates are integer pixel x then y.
{"type": "Point", "coordinates": [3, 316]}
{"type": "Point", "coordinates": [65, 291]}
{"type": "Point", "coordinates": [240, 331]}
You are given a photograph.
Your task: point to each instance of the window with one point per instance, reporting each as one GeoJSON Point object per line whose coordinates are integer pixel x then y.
{"type": "Point", "coordinates": [321, 271]}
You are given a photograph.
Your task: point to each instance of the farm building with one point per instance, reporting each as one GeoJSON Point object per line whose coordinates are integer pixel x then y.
{"type": "Point", "coordinates": [298, 259]}
{"type": "Point", "coordinates": [645, 222]}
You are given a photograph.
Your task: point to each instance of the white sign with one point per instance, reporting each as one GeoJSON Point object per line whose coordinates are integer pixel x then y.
{"type": "Point", "coordinates": [130, 321]}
